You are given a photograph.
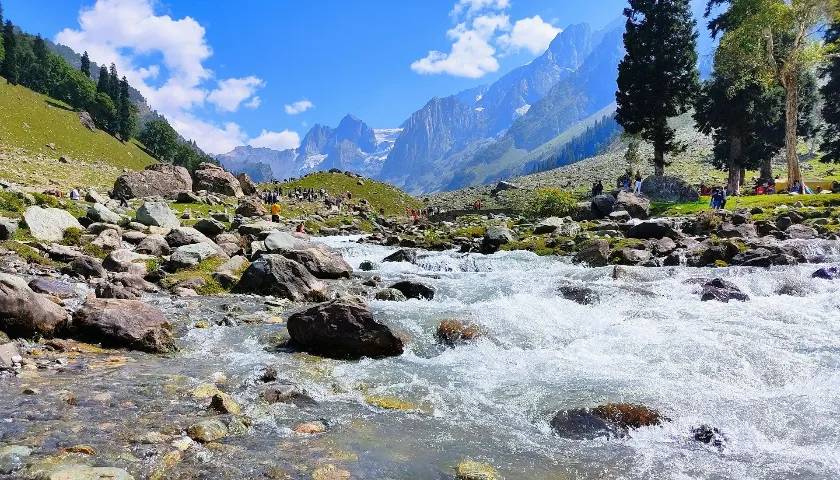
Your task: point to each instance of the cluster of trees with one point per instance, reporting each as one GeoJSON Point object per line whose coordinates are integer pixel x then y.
{"type": "Point", "coordinates": [163, 143]}
{"type": "Point", "coordinates": [26, 60]}
{"type": "Point", "coordinates": [595, 139]}
{"type": "Point", "coordinates": [762, 95]}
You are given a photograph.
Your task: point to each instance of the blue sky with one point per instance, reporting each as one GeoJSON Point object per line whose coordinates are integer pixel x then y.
{"type": "Point", "coordinates": [264, 71]}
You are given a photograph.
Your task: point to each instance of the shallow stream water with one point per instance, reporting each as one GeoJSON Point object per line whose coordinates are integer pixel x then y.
{"type": "Point", "coordinates": [765, 372]}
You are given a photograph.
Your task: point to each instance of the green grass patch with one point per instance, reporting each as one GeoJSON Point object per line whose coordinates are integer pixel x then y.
{"type": "Point", "coordinates": [750, 201]}
{"type": "Point", "coordinates": [24, 251]}
{"type": "Point", "coordinates": [379, 195]}
{"type": "Point", "coordinates": [204, 271]}
{"type": "Point", "coordinates": [30, 121]}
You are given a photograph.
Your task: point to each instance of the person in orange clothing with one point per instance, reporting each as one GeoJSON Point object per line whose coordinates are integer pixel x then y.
{"type": "Point", "coordinates": [275, 212]}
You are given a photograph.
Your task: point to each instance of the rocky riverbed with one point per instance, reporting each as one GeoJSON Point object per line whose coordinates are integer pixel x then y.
{"type": "Point", "coordinates": [478, 347]}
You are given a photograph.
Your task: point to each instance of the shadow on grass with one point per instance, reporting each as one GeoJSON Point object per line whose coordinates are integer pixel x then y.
{"type": "Point", "coordinates": [56, 104]}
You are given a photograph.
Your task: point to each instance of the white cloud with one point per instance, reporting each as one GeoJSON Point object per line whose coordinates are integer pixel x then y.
{"type": "Point", "coordinates": [210, 137]}
{"type": "Point", "coordinates": [472, 54]}
{"type": "Point", "coordinates": [284, 140]}
{"type": "Point", "coordinates": [533, 34]}
{"type": "Point", "coordinates": [298, 107]}
{"type": "Point", "coordinates": [255, 102]}
{"type": "Point", "coordinates": [230, 93]}
{"type": "Point", "coordinates": [128, 33]}
{"type": "Point", "coordinates": [483, 26]}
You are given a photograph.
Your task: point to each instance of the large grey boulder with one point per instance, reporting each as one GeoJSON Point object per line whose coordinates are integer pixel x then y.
{"type": "Point", "coordinates": [191, 255]}
{"type": "Point", "coordinates": [153, 245]}
{"type": "Point", "coordinates": [636, 205]}
{"type": "Point", "coordinates": [209, 226]}
{"type": "Point", "coordinates": [229, 273]}
{"type": "Point", "coordinates": [125, 260]}
{"type": "Point", "coordinates": [494, 238]}
{"type": "Point", "coordinates": [280, 241]}
{"type": "Point", "coordinates": [343, 328]}
{"type": "Point", "coordinates": [161, 179]}
{"type": "Point", "coordinates": [549, 225]}
{"type": "Point", "coordinates": [216, 179]}
{"type": "Point", "coordinates": [654, 229]}
{"type": "Point", "coordinates": [49, 224]}
{"type": "Point", "coordinates": [100, 213]}
{"type": "Point", "coordinates": [108, 240]}
{"type": "Point", "coordinates": [602, 205]}
{"type": "Point", "coordinates": [321, 261]}
{"type": "Point", "coordinates": [157, 214]}
{"type": "Point", "coordinates": [24, 313]}
{"type": "Point", "coordinates": [251, 207]}
{"type": "Point", "coordinates": [669, 189]}
{"type": "Point", "coordinates": [181, 236]}
{"type": "Point", "coordinates": [595, 253]}
{"type": "Point", "coordinates": [276, 275]}
{"type": "Point", "coordinates": [86, 267]}
{"type": "Point", "coordinates": [123, 323]}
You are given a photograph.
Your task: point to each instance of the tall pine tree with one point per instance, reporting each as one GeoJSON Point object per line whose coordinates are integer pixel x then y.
{"type": "Point", "coordinates": [831, 93]}
{"type": "Point", "coordinates": [103, 86]}
{"type": "Point", "coordinates": [9, 68]}
{"type": "Point", "coordinates": [658, 78]}
{"type": "Point", "coordinates": [114, 84]}
{"type": "Point", "coordinates": [85, 68]}
{"type": "Point", "coordinates": [126, 116]}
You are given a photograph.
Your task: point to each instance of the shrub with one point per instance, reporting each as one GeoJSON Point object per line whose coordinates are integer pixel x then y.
{"type": "Point", "coordinates": [72, 237]}
{"type": "Point", "coordinates": [552, 202]}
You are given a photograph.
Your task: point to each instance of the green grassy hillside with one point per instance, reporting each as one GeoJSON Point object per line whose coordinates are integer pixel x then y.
{"type": "Point", "coordinates": [30, 123]}
{"type": "Point", "coordinates": [380, 195]}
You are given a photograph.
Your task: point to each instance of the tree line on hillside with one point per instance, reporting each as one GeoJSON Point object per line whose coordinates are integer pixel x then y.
{"type": "Point", "coordinates": [26, 60]}
{"type": "Point", "coordinates": [762, 96]}
{"type": "Point", "coordinates": [595, 139]}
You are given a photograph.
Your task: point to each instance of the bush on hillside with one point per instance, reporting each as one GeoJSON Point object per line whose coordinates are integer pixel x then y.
{"type": "Point", "coordinates": [552, 202]}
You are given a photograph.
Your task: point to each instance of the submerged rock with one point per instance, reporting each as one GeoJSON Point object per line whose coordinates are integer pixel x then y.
{"type": "Point", "coordinates": [224, 403]}
{"type": "Point", "coordinates": [124, 323]}
{"type": "Point", "coordinates": [402, 255]}
{"type": "Point", "coordinates": [207, 431]}
{"type": "Point", "coordinates": [454, 332]}
{"type": "Point", "coordinates": [287, 393]}
{"type": "Point", "coordinates": [608, 420]}
{"type": "Point", "coordinates": [709, 435]}
{"type": "Point", "coordinates": [471, 470]}
{"type": "Point", "coordinates": [414, 289]}
{"type": "Point", "coordinates": [390, 295]}
{"type": "Point", "coordinates": [722, 291]}
{"type": "Point", "coordinates": [827, 273]}
{"type": "Point", "coordinates": [343, 328]}
{"type": "Point", "coordinates": [24, 313]}
{"type": "Point", "coordinates": [579, 294]}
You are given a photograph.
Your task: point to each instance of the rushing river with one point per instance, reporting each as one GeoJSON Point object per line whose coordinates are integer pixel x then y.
{"type": "Point", "coordinates": [765, 372]}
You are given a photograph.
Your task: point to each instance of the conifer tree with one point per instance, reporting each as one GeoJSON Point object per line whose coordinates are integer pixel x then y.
{"type": "Point", "coordinates": [85, 68]}
{"type": "Point", "coordinates": [103, 86]}
{"type": "Point", "coordinates": [658, 77]}
{"type": "Point", "coordinates": [114, 84]}
{"type": "Point", "coordinates": [831, 93]}
{"type": "Point", "coordinates": [9, 68]}
{"type": "Point", "coordinates": [126, 115]}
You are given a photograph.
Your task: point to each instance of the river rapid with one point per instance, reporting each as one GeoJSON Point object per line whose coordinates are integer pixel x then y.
{"type": "Point", "coordinates": [765, 372]}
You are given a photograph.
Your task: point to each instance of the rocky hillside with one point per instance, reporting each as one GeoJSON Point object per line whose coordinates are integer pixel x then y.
{"type": "Point", "coordinates": [485, 133]}
{"type": "Point", "coordinates": [43, 143]}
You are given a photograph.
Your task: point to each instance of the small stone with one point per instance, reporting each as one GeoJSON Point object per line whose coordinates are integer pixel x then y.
{"type": "Point", "coordinates": [470, 470]}
{"type": "Point", "coordinates": [310, 428]}
{"type": "Point", "coordinates": [208, 431]}
{"type": "Point", "coordinates": [224, 403]}
{"type": "Point", "coordinates": [330, 472]}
